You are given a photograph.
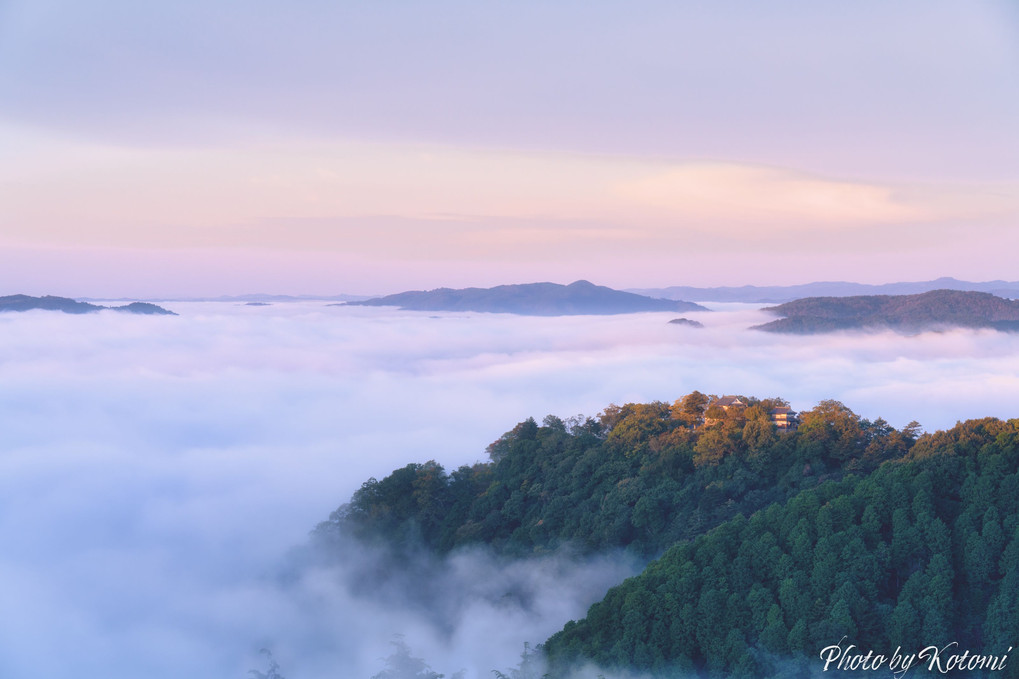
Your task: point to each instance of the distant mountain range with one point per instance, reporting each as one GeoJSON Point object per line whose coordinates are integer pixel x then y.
{"type": "Point", "coordinates": [70, 306]}
{"type": "Point", "coordinates": [930, 310]}
{"type": "Point", "coordinates": [532, 299]}
{"type": "Point", "coordinates": [784, 293]}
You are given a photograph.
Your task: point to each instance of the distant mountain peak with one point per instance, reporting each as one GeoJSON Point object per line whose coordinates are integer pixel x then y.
{"type": "Point", "coordinates": [532, 299]}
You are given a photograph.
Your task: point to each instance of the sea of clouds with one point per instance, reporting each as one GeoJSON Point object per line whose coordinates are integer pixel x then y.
{"type": "Point", "coordinates": [159, 475]}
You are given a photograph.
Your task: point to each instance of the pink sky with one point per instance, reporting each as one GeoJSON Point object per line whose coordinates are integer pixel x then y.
{"type": "Point", "coordinates": [189, 150]}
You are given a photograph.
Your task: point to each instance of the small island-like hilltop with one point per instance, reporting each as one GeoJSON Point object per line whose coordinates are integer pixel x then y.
{"type": "Point", "coordinates": [532, 299]}
{"type": "Point", "coordinates": [70, 306]}
{"type": "Point", "coordinates": [934, 310]}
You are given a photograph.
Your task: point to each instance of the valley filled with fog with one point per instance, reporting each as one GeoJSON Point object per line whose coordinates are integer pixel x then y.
{"type": "Point", "coordinates": [159, 476]}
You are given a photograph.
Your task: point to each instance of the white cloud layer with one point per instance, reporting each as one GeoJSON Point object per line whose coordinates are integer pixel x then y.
{"type": "Point", "coordinates": [155, 471]}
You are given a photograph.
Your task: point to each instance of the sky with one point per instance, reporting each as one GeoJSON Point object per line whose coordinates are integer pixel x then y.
{"type": "Point", "coordinates": [196, 148]}
{"type": "Point", "coordinates": [159, 475]}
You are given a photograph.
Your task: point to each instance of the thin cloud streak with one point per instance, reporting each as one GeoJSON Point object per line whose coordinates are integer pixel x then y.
{"type": "Point", "coordinates": [332, 196]}
{"type": "Point", "coordinates": [335, 217]}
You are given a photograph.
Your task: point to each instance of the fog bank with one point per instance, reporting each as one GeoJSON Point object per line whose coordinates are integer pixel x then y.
{"type": "Point", "coordinates": [156, 472]}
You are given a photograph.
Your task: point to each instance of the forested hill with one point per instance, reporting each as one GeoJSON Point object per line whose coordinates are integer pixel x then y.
{"type": "Point", "coordinates": [532, 299]}
{"type": "Point", "coordinates": [931, 310]}
{"type": "Point", "coordinates": [640, 476]}
{"type": "Point", "coordinates": [774, 294]}
{"type": "Point", "coordinates": [70, 306]}
{"type": "Point", "coordinates": [924, 551]}
{"type": "Point", "coordinates": [774, 544]}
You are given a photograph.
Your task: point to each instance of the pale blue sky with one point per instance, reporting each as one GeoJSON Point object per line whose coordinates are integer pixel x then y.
{"type": "Point", "coordinates": [561, 140]}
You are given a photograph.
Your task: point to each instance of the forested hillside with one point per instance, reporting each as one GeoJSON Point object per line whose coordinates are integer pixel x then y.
{"type": "Point", "coordinates": [776, 543]}
{"type": "Point", "coordinates": [924, 551]}
{"type": "Point", "coordinates": [640, 476]}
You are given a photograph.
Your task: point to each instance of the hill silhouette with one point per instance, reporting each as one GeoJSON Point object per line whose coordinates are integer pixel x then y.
{"type": "Point", "coordinates": [532, 299]}
{"type": "Point", "coordinates": [775, 294]}
{"type": "Point", "coordinates": [70, 306]}
{"type": "Point", "coordinates": [930, 310]}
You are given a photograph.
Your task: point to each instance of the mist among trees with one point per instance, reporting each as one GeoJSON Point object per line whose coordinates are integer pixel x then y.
{"type": "Point", "coordinates": [761, 545]}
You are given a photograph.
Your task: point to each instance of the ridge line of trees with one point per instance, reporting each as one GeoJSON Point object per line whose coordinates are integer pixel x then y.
{"type": "Point", "coordinates": [639, 476]}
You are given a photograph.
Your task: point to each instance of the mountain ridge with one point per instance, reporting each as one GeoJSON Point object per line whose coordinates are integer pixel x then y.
{"type": "Point", "coordinates": [936, 309]}
{"type": "Point", "coordinates": [19, 303]}
{"type": "Point", "coordinates": [531, 299]}
{"type": "Point", "coordinates": [784, 293]}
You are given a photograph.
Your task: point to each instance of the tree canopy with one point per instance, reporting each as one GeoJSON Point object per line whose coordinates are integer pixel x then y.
{"type": "Point", "coordinates": [768, 542]}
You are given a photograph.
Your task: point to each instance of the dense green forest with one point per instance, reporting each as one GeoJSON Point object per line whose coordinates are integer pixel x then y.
{"type": "Point", "coordinates": [770, 544]}
{"type": "Point", "coordinates": [923, 551]}
{"type": "Point", "coordinates": [640, 476]}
